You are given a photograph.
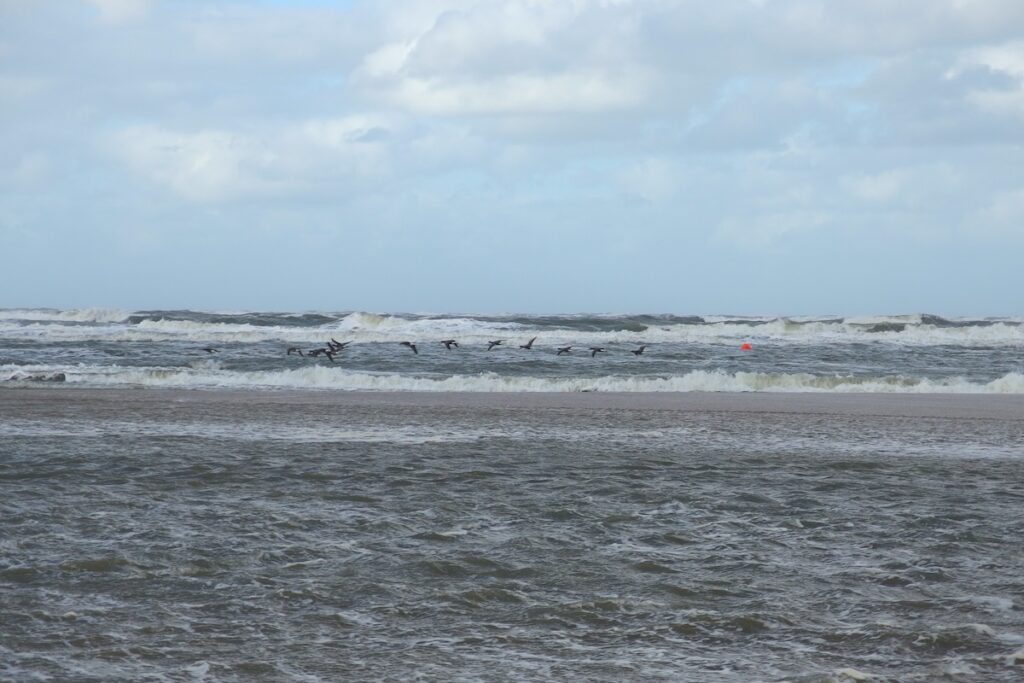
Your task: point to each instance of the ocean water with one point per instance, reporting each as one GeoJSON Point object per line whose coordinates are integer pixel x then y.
{"type": "Point", "coordinates": [171, 514]}
{"type": "Point", "coordinates": [908, 353]}
{"type": "Point", "coordinates": [184, 535]}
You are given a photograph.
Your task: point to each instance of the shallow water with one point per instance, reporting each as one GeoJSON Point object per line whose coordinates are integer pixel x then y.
{"type": "Point", "coordinates": [208, 538]}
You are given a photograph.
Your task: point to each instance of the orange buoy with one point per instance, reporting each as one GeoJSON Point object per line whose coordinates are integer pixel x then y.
{"type": "Point", "coordinates": [745, 346]}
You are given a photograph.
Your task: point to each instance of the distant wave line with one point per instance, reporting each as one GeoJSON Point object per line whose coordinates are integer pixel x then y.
{"type": "Point", "coordinates": [209, 375]}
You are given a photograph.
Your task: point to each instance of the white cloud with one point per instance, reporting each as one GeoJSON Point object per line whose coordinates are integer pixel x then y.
{"type": "Point", "coordinates": [222, 165]}
{"type": "Point", "coordinates": [19, 89]}
{"type": "Point", "coordinates": [32, 169]}
{"type": "Point", "coordinates": [653, 180]}
{"type": "Point", "coordinates": [1006, 59]}
{"type": "Point", "coordinates": [1004, 214]}
{"type": "Point", "coordinates": [502, 58]}
{"type": "Point", "coordinates": [201, 166]}
{"type": "Point", "coordinates": [573, 92]}
{"type": "Point", "coordinates": [761, 230]}
{"type": "Point", "coordinates": [388, 60]}
{"type": "Point", "coordinates": [874, 187]}
{"type": "Point", "coordinates": [121, 11]}
{"type": "Point", "coordinates": [922, 188]}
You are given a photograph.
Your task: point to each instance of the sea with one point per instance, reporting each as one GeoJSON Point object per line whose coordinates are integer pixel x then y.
{"type": "Point", "coordinates": [841, 501]}
{"type": "Point", "coordinates": [894, 353]}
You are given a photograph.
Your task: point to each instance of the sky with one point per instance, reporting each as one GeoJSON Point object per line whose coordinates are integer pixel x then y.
{"type": "Point", "coordinates": [538, 156]}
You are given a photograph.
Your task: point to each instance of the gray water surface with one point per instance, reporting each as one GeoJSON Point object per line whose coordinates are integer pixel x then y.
{"type": "Point", "coordinates": [147, 536]}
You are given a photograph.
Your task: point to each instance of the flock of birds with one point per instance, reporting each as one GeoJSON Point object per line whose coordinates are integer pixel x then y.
{"type": "Point", "coordinates": [334, 347]}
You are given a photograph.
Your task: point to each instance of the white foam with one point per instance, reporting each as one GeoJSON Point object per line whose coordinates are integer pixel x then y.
{"type": "Point", "coordinates": [470, 332]}
{"type": "Point", "coordinates": [868, 320]}
{"type": "Point", "coordinates": [369, 324]}
{"type": "Point", "coordinates": [210, 374]}
{"type": "Point", "coordinates": [199, 670]}
{"type": "Point", "coordinates": [80, 315]}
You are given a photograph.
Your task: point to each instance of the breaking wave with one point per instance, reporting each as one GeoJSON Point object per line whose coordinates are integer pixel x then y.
{"type": "Point", "coordinates": [208, 374]}
{"type": "Point", "coordinates": [71, 315]}
{"type": "Point", "coordinates": [80, 325]}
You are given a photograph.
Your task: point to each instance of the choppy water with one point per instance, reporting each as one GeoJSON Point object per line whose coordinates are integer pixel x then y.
{"type": "Point", "coordinates": [182, 536]}
{"type": "Point", "coordinates": [908, 353]}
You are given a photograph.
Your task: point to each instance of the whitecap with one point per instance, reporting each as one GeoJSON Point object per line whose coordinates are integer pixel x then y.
{"type": "Point", "coordinates": [208, 373]}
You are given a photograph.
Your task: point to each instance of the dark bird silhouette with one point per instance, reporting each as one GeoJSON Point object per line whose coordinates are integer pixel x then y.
{"type": "Point", "coordinates": [594, 350]}
{"type": "Point", "coordinates": [315, 352]}
{"type": "Point", "coordinates": [330, 355]}
{"type": "Point", "coordinates": [528, 345]}
{"type": "Point", "coordinates": [210, 349]}
{"type": "Point", "coordinates": [491, 345]}
{"type": "Point", "coordinates": [564, 349]}
{"type": "Point", "coordinates": [639, 351]}
{"type": "Point", "coordinates": [295, 349]}
{"type": "Point", "coordinates": [336, 345]}
{"type": "Point", "coordinates": [449, 343]}
{"type": "Point", "coordinates": [411, 346]}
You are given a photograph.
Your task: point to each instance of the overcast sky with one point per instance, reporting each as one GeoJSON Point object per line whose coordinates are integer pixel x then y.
{"type": "Point", "coordinates": [748, 156]}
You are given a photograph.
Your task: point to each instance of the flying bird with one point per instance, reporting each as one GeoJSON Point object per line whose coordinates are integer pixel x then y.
{"type": "Point", "coordinates": [449, 343]}
{"type": "Point", "coordinates": [336, 345]}
{"type": "Point", "coordinates": [491, 345]}
{"type": "Point", "coordinates": [295, 349]}
{"type": "Point", "coordinates": [411, 346]}
{"type": "Point", "coordinates": [210, 349]}
{"type": "Point", "coordinates": [639, 351]}
{"type": "Point", "coordinates": [594, 350]}
{"type": "Point", "coordinates": [528, 345]}
{"type": "Point", "coordinates": [564, 349]}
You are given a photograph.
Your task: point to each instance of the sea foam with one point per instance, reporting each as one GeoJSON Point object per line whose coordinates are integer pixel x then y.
{"type": "Point", "coordinates": [210, 374]}
{"type": "Point", "coordinates": [361, 327]}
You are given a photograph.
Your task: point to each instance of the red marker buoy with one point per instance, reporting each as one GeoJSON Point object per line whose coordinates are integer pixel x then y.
{"type": "Point", "coordinates": [745, 346]}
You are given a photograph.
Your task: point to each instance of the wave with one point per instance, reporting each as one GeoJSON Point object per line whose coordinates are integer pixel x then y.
{"type": "Point", "coordinates": [209, 374]}
{"type": "Point", "coordinates": [368, 324]}
{"type": "Point", "coordinates": [115, 325]}
{"type": "Point", "coordinates": [71, 315]}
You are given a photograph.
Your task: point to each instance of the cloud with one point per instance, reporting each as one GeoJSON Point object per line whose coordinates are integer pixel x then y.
{"type": "Point", "coordinates": [767, 229]}
{"type": "Point", "coordinates": [1002, 216]}
{"type": "Point", "coordinates": [875, 187]}
{"type": "Point", "coordinates": [493, 128]}
{"type": "Point", "coordinates": [917, 187]}
{"type": "Point", "coordinates": [31, 169]}
{"type": "Point", "coordinates": [578, 92]}
{"type": "Point", "coordinates": [312, 156]}
{"type": "Point", "coordinates": [121, 11]}
{"type": "Point", "coordinates": [20, 89]}
{"type": "Point", "coordinates": [488, 58]}
{"type": "Point", "coordinates": [653, 180]}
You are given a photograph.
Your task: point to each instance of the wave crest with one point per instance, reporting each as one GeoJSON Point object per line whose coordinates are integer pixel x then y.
{"type": "Point", "coordinates": [209, 374]}
{"type": "Point", "coordinates": [74, 315]}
